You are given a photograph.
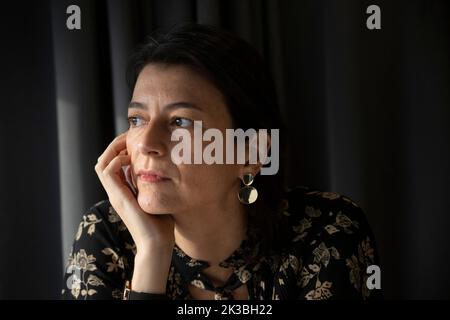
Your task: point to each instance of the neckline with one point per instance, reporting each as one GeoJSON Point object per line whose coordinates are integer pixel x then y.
{"type": "Point", "coordinates": [247, 253]}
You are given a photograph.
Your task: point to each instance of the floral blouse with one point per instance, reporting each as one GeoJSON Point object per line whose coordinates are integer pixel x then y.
{"type": "Point", "coordinates": [327, 257]}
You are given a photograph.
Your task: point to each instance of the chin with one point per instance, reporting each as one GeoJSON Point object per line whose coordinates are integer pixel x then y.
{"type": "Point", "coordinates": [154, 203]}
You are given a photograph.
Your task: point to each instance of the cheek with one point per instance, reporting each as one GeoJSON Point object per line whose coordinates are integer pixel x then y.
{"type": "Point", "coordinates": [209, 177]}
{"type": "Point", "coordinates": [131, 147]}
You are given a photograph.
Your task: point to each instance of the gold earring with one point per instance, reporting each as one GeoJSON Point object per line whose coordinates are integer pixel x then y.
{"type": "Point", "coordinates": [248, 194]}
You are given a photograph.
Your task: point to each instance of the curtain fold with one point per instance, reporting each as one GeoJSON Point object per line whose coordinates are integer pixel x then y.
{"type": "Point", "coordinates": [84, 112]}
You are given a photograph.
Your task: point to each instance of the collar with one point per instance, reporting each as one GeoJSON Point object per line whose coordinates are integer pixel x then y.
{"type": "Point", "coordinates": [246, 255]}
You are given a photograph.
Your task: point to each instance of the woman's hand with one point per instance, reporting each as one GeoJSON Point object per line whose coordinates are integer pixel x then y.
{"type": "Point", "coordinates": [153, 235]}
{"type": "Point", "coordinates": [146, 229]}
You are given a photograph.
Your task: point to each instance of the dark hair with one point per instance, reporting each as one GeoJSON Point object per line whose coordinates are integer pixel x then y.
{"type": "Point", "coordinates": [240, 74]}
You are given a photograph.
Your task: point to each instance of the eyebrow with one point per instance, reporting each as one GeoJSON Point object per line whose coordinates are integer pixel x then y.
{"type": "Point", "coordinates": [170, 106]}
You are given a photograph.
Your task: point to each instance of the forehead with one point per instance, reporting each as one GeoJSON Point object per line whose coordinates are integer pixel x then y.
{"type": "Point", "coordinates": [169, 83]}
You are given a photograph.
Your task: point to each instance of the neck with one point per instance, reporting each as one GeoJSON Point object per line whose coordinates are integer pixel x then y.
{"type": "Point", "coordinates": [211, 235]}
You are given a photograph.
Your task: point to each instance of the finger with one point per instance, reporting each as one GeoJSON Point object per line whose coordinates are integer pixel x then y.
{"type": "Point", "coordinates": [112, 145]}
{"type": "Point", "coordinates": [114, 168]}
{"type": "Point", "coordinates": [113, 149]}
{"type": "Point", "coordinates": [113, 180]}
{"type": "Point", "coordinates": [128, 180]}
{"type": "Point", "coordinates": [126, 173]}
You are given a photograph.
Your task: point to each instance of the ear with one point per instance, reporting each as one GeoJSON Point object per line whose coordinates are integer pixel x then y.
{"type": "Point", "coordinates": [259, 144]}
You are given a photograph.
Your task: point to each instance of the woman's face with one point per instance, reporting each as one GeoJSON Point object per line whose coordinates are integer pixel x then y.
{"type": "Point", "coordinates": [166, 98]}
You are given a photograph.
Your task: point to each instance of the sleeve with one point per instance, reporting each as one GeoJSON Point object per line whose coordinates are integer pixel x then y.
{"type": "Point", "coordinates": [339, 253]}
{"type": "Point", "coordinates": [96, 266]}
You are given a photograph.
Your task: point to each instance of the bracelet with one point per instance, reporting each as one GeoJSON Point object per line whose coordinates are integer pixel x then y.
{"type": "Point", "coordinates": [129, 294]}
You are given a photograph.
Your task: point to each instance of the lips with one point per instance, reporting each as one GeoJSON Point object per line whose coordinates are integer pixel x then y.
{"type": "Point", "coordinates": [152, 176]}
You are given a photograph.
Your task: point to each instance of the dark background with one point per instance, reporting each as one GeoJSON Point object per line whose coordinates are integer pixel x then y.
{"type": "Point", "coordinates": [368, 113]}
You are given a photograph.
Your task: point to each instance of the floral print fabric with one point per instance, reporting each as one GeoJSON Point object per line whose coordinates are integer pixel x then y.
{"type": "Point", "coordinates": [329, 249]}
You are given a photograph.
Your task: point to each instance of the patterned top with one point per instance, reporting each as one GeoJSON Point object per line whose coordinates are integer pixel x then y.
{"type": "Point", "coordinates": [330, 248]}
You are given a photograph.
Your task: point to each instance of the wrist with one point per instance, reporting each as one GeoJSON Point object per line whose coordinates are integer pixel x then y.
{"type": "Point", "coordinates": [130, 294]}
{"type": "Point", "coordinates": [151, 250]}
{"type": "Point", "coordinates": [151, 270]}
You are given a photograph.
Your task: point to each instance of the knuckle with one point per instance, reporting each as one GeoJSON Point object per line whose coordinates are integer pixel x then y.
{"type": "Point", "coordinates": [106, 171]}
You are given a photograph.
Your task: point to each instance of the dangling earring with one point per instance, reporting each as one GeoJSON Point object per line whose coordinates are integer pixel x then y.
{"type": "Point", "coordinates": [248, 194]}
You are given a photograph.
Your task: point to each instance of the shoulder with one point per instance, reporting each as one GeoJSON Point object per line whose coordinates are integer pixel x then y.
{"type": "Point", "coordinates": [312, 212]}
{"type": "Point", "coordinates": [332, 242]}
{"type": "Point", "coordinates": [110, 225]}
{"type": "Point", "coordinates": [102, 234]}
{"type": "Point", "coordinates": [101, 218]}
{"type": "Point", "coordinates": [105, 210]}
{"type": "Point", "coordinates": [101, 255]}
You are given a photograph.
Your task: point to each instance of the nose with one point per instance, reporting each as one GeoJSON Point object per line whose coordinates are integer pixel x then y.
{"type": "Point", "coordinates": [152, 141]}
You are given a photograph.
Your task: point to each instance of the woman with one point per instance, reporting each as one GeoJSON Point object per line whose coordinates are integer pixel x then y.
{"type": "Point", "coordinates": [210, 231]}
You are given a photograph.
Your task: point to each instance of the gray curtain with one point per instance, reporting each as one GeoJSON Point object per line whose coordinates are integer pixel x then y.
{"type": "Point", "coordinates": [368, 115]}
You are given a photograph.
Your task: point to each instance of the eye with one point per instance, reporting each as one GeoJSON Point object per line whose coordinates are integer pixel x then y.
{"type": "Point", "coordinates": [135, 122]}
{"type": "Point", "coordinates": [182, 122]}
